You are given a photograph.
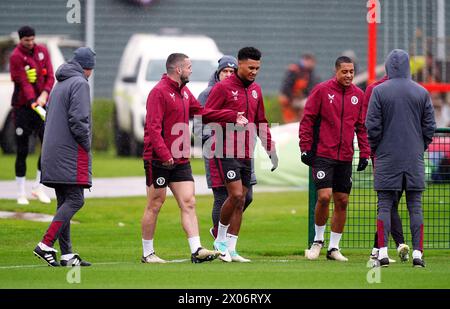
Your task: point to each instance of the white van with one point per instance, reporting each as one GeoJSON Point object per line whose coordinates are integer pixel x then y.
{"type": "Point", "coordinates": [59, 48]}
{"type": "Point", "coordinates": [142, 65]}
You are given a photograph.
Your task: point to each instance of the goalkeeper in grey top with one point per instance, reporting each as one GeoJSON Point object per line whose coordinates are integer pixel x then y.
{"type": "Point", "coordinates": [400, 125]}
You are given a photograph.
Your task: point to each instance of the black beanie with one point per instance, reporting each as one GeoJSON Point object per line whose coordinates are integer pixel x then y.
{"type": "Point", "coordinates": [25, 31]}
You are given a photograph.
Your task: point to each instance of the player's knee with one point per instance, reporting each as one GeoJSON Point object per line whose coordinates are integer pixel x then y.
{"type": "Point", "coordinates": [155, 204]}
{"type": "Point", "coordinates": [323, 200]}
{"type": "Point", "coordinates": [341, 202]}
{"type": "Point", "coordinates": [188, 204]}
{"type": "Point", "coordinates": [238, 199]}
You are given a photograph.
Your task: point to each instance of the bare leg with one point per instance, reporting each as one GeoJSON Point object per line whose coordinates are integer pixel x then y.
{"type": "Point", "coordinates": [155, 200]}
{"type": "Point", "coordinates": [183, 192]}
{"type": "Point", "coordinates": [340, 212]}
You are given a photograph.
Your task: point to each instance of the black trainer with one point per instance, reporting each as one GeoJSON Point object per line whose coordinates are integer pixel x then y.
{"type": "Point", "coordinates": [75, 261]}
{"type": "Point", "coordinates": [384, 262]}
{"type": "Point", "coordinates": [48, 256]}
{"type": "Point", "coordinates": [203, 255]}
{"type": "Point", "coordinates": [418, 263]}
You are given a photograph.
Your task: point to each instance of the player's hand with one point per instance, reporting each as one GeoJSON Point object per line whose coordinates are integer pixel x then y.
{"type": "Point", "coordinates": [274, 159]}
{"type": "Point", "coordinates": [31, 74]}
{"type": "Point", "coordinates": [169, 162]}
{"type": "Point", "coordinates": [240, 119]}
{"type": "Point", "coordinates": [307, 157]}
{"type": "Point", "coordinates": [42, 99]}
{"type": "Point", "coordinates": [362, 164]}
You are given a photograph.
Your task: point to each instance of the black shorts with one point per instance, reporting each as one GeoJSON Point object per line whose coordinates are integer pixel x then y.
{"type": "Point", "coordinates": [27, 122]}
{"type": "Point", "coordinates": [160, 176]}
{"type": "Point", "coordinates": [328, 173]}
{"type": "Point", "coordinates": [231, 169]}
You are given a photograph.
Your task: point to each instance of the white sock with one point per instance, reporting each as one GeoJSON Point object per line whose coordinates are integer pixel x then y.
{"type": "Point", "coordinates": [417, 254]}
{"type": "Point", "coordinates": [374, 251]}
{"type": "Point", "coordinates": [320, 230]}
{"type": "Point", "coordinates": [335, 238]}
{"type": "Point", "coordinates": [20, 186]}
{"type": "Point", "coordinates": [232, 241]}
{"type": "Point", "coordinates": [383, 253]}
{"type": "Point", "coordinates": [37, 182]}
{"type": "Point", "coordinates": [66, 257]}
{"type": "Point", "coordinates": [147, 246]}
{"type": "Point", "coordinates": [222, 232]}
{"type": "Point", "coordinates": [45, 247]}
{"type": "Point", "coordinates": [194, 243]}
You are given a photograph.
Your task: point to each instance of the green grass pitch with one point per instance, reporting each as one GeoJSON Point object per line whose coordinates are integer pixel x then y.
{"type": "Point", "coordinates": [273, 235]}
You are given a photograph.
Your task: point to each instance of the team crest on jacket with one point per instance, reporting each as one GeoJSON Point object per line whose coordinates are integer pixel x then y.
{"type": "Point", "coordinates": [254, 94]}
{"type": "Point", "coordinates": [234, 93]}
{"type": "Point", "coordinates": [41, 56]}
{"type": "Point", "coordinates": [354, 100]}
{"type": "Point", "coordinates": [186, 96]}
{"type": "Point", "coordinates": [172, 95]}
{"type": "Point", "coordinates": [331, 97]}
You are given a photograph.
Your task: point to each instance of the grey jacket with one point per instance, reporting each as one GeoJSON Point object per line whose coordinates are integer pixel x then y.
{"type": "Point", "coordinates": [66, 150]}
{"type": "Point", "coordinates": [204, 131]}
{"type": "Point", "coordinates": [400, 124]}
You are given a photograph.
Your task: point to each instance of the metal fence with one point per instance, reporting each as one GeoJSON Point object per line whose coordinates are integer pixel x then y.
{"type": "Point", "coordinates": [360, 227]}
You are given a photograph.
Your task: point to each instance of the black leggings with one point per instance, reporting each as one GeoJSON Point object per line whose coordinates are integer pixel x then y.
{"type": "Point", "coordinates": [220, 195]}
{"type": "Point", "coordinates": [27, 122]}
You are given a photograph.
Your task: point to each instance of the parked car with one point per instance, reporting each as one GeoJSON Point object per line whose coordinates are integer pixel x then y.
{"type": "Point", "coordinates": [59, 48]}
{"type": "Point", "coordinates": [141, 67]}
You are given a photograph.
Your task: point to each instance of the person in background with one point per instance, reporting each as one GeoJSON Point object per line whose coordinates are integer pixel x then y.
{"type": "Point", "coordinates": [298, 82]}
{"type": "Point", "coordinates": [32, 74]}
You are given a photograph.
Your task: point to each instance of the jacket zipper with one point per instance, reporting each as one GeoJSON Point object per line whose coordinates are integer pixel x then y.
{"type": "Point", "coordinates": [246, 98]}
{"type": "Point", "coordinates": [342, 123]}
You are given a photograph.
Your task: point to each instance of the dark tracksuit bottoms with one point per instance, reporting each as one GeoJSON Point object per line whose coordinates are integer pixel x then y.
{"type": "Point", "coordinates": [386, 200]}
{"type": "Point", "coordinates": [220, 195]}
{"type": "Point", "coordinates": [27, 122]}
{"type": "Point", "coordinates": [70, 199]}
{"type": "Point", "coordinates": [396, 224]}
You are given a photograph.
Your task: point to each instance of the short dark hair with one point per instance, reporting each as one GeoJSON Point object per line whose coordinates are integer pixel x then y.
{"type": "Point", "coordinates": [249, 53]}
{"type": "Point", "coordinates": [308, 56]}
{"type": "Point", "coordinates": [342, 59]}
{"type": "Point", "coordinates": [25, 31]}
{"type": "Point", "coordinates": [173, 60]}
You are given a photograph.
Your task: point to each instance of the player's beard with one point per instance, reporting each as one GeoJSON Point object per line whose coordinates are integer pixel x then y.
{"type": "Point", "coordinates": [184, 79]}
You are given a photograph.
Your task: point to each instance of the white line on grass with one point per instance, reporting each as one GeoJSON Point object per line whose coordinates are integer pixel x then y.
{"type": "Point", "coordinates": [130, 263]}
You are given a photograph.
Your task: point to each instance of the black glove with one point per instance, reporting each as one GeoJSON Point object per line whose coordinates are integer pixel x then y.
{"type": "Point", "coordinates": [307, 157]}
{"type": "Point", "coordinates": [362, 164]}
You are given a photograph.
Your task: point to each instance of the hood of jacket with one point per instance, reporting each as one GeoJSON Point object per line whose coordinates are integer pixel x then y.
{"type": "Point", "coordinates": [397, 64]}
{"type": "Point", "coordinates": [69, 69]}
{"type": "Point", "coordinates": [214, 79]}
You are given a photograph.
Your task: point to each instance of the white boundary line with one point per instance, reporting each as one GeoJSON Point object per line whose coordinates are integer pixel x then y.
{"type": "Point", "coordinates": [130, 263]}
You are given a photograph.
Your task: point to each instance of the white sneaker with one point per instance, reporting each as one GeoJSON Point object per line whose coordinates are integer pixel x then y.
{"type": "Point", "coordinates": [22, 200]}
{"type": "Point", "coordinates": [314, 252]}
{"type": "Point", "coordinates": [40, 195]}
{"type": "Point", "coordinates": [224, 254]}
{"type": "Point", "coordinates": [235, 257]}
{"type": "Point", "coordinates": [403, 252]}
{"type": "Point", "coordinates": [152, 258]}
{"type": "Point", "coordinates": [336, 255]}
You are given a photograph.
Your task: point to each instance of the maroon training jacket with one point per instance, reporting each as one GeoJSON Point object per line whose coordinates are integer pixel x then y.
{"type": "Point", "coordinates": [231, 93]}
{"type": "Point", "coordinates": [22, 58]}
{"type": "Point", "coordinates": [166, 131]}
{"type": "Point", "coordinates": [337, 113]}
